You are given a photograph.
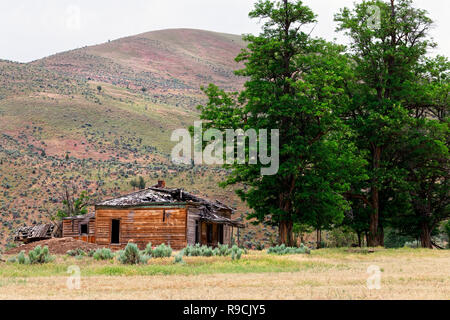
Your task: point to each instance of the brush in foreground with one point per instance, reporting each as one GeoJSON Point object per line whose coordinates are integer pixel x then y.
{"type": "Point", "coordinates": [282, 249]}
{"type": "Point", "coordinates": [38, 255]}
{"type": "Point", "coordinates": [103, 254]}
{"type": "Point", "coordinates": [132, 255]}
{"type": "Point", "coordinates": [205, 251]}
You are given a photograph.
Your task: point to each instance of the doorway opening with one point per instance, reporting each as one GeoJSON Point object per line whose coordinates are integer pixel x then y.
{"type": "Point", "coordinates": [220, 233]}
{"type": "Point", "coordinates": [115, 231]}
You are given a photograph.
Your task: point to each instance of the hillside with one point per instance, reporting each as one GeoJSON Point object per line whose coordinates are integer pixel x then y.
{"type": "Point", "coordinates": [56, 125]}
{"type": "Point", "coordinates": [176, 61]}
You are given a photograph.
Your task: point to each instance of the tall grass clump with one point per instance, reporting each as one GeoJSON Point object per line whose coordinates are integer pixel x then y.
{"type": "Point", "coordinates": [282, 250]}
{"type": "Point", "coordinates": [103, 254]}
{"type": "Point", "coordinates": [132, 255]}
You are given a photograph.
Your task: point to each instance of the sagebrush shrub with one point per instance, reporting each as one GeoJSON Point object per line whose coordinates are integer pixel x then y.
{"type": "Point", "coordinates": [148, 249]}
{"type": "Point", "coordinates": [223, 249]}
{"type": "Point", "coordinates": [76, 252]}
{"type": "Point", "coordinates": [179, 257]}
{"type": "Point", "coordinates": [103, 254]}
{"type": "Point", "coordinates": [236, 252]}
{"type": "Point", "coordinates": [205, 251]}
{"type": "Point", "coordinates": [37, 255]}
{"type": "Point", "coordinates": [282, 249]}
{"type": "Point", "coordinates": [161, 251]}
{"type": "Point", "coordinates": [132, 255]}
{"type": "Point", "coordinates": [21, 259]}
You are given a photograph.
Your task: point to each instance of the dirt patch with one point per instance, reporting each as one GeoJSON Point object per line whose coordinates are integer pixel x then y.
{"type": "Point", "coordinates": [56, 246]}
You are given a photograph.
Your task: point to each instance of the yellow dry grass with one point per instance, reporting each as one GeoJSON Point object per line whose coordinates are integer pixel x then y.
{"type": "Point", "coordinates": [406, 274]}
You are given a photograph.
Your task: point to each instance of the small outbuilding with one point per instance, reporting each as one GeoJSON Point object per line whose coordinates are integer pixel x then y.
{"type": "Point", "coordinates": [80, 227]}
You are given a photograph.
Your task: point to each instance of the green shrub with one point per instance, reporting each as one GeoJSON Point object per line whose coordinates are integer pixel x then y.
{"type": "Point", "coordinates": [10, 245]}
{"type": "Point", "coordinates": [394, 239]}
{"type": "Point", "coordinates": [236, 252]}
{"type": "Point", "coordinates": [411, 244]}
{"type": "Point", "coordinates": [161, 251]}
{"type": "Point", "coordinates": [103, 254]}
{"type": "Point", "coordinates": [205, 251]}
{"type": "Point", "coordinates": [132, 255]}
{"type": "Point", "coordinates": [223, 250]}
{"type": "Point", "coordinates": [76, 252]}
{"type": "Point", "coordinates": [282, 249]}
{"type": "Point", "coordinates": [148, 249]}
{"type": "Point", "coordinates": [37, 255]}
{"type": "Point", "coordinates": [446, 229]}
{"type": "Point", "coordinates": [341, 237]}
{"type": "Point", "coordinates": [179, 257]}
{"type": "Point", "coordinates": [259, 246]}
{"type": "Point", "coordinates": [21, 259]}
{"type": "Point", "coordinates": [208, 252]}
{"type": "Point", "coordinates": [193, 251]}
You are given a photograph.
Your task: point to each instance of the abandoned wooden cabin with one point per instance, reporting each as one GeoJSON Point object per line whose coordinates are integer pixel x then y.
{"type": "Point", "coordinates": [157, 215]}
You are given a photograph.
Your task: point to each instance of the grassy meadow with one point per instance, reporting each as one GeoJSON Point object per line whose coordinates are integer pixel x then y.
{"type": "Point", "coordinates": [323, 274]}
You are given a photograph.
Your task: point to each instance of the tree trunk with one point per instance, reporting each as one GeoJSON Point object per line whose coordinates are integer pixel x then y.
{"type": "Point", "coordinates": [425, 236]}
{"type": "Point", "coordinates": [359, 239]}
{"type": "Point", "coordinates": [380, 234]}
{"type": "Point", "coordinates": [367, 238]}
{"type": "Point", "coordinates": [285, 232]}
{"type": "Point", "coordinates": [374, 238]}
{"type": "Point", "coordinates": [318, 238]}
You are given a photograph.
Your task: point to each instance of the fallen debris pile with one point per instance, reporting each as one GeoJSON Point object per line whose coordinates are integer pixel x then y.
{"type": "Point", "coordinates": [56, 246]}
{"type": "Point", "coordinates": [34, 233]}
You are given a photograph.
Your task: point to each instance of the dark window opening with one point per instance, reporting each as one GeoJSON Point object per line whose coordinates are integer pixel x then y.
{"type": "Point", "coordinates": [209, 233]}
{"type": "Point", "coordinates": [196, 231]}
{"type": "Point", "coordinates": [84, 229]}
{"type": "Point", "coordinates": [164, 215]}
{"type": "Point", "coordinates": [115, 231]}
{"type": "Point", "coordinates": [220, 232]}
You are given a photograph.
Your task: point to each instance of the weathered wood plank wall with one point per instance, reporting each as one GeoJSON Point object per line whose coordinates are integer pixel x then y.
{"type": "Point", "coordinates": [71, 228]}
{"type": "Point", "coordinates": [143, 225]}
{"type": "Point", "coordinates": [193, 217]}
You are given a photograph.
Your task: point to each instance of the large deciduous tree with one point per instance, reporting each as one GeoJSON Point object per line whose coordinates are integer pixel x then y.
{"type": "Point", "coordinates": [295, 84]}
{"type": "Point", "coordinates": [387, 50]}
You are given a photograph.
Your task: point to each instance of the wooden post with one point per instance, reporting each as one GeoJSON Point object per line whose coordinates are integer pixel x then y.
{"type": "Point", "coordinates": [232, 235]}
{"type": "Point", "coordinates": [239, 244]}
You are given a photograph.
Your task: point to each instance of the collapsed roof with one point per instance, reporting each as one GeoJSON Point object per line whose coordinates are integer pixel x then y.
{"type": "Point", "coordinates": [209, 210]}
{"type": "Point", "coordinates": [82, 218]}
{"type": "Point", "coordinates": [34, 233]}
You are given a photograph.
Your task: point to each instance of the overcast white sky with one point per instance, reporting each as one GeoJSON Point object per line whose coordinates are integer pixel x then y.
{"type": "Point", "coordinates": [32, 29]}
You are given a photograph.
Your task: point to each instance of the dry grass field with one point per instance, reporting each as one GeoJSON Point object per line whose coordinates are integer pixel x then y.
{"type": "Point", "coordinates": [324, 274]}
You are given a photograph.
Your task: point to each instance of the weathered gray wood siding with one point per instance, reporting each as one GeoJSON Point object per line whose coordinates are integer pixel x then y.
{"type": "Point", "coordinates": [193, 216]}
